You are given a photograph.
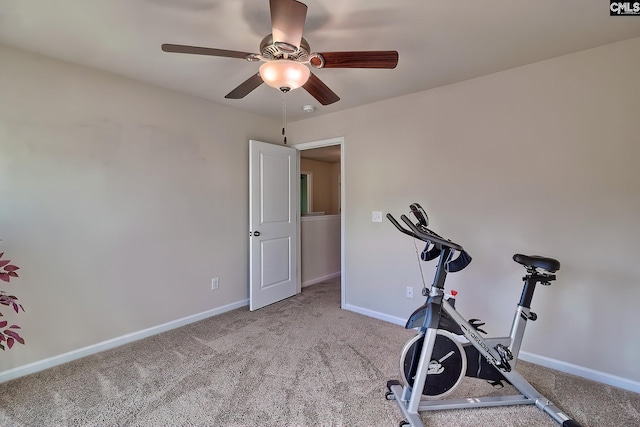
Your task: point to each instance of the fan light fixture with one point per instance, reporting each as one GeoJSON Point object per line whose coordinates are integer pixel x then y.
{"type": "Point", "coordinates": [284, 74]}
{"type": "Point", "coordinates": [288, 58]}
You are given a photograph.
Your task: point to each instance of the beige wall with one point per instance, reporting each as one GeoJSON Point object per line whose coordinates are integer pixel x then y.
{"type": "Point", "coordinates": [319, 248]}
{"type": "Point", "coordinates": [120, 202]}
{"type": "Point", "coordinates": [541, 159]}
{"type": "Point", "coordinates": [325, 184]}
{"type": "Point", "coordinates": [334, 188]}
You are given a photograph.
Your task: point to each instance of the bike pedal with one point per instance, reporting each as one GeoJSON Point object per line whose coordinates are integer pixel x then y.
{"type": "Point", "coordinates": [504, 366]}
{"type": "Point", "coordinates": [504, 352]}
{"type": "Point", "coordinates": [505, 356]}
{"type": "Point", "coordinates": [476, 323]}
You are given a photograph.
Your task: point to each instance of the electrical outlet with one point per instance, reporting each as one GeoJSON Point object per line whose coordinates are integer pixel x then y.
{"type": "Point", "coordinates": [409, 292]}
{"type": "Point", "coordinates": [214, 283]}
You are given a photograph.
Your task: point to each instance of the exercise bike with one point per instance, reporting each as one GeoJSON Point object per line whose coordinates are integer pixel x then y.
{"type": "Point", "coordinates": [447, 347]}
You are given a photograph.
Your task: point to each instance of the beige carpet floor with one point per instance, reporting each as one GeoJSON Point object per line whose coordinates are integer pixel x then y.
{"type": "Point", "coordinates": [299, 362]}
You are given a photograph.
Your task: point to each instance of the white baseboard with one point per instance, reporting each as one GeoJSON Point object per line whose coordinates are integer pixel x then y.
{"type": "Point", "coordinates": [41, 365]}
{"type": "Point", "coordinates": [376, 315]}
{"type": "Point", "coordinates": [581, 371]}
{"type": "Point", "coordinates": [320, 279]}
{"type": "Point", "coordinates": [547, 362]}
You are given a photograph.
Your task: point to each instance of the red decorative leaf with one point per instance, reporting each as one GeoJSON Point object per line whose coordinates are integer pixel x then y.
{"type": "Point", "coordinates": [14, 335]}
{"type": "Point", "coordinates": [8, 335]}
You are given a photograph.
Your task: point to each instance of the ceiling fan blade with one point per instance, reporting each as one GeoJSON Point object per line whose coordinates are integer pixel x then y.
{"type": "Point", "coordinates": [362, 59]}
{"type": "Point", "coordinates": [178, 48]}
{"type": "Point", "coordinates": [245, 87]}
{"type": "Point", "coordinates": [320, 91]}
{"type": "Point", "coordinates": [287, 22]}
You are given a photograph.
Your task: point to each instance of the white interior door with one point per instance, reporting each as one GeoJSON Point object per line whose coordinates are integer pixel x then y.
{"type": "Point", "coordinates": [273, 223]}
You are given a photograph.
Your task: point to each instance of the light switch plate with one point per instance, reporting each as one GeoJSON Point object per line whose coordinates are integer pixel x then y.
{"type": "Point", "coordinates": [376, 216]}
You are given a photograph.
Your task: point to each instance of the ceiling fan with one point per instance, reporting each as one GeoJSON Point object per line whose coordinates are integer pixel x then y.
{"type": "Point", "coordinates": [285, 54]}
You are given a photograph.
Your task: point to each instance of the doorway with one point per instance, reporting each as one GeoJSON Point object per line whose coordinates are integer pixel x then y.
{"type": "Point", "coordinates": [331, 202]}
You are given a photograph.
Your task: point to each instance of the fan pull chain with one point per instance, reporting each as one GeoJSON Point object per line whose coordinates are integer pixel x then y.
{"type": "Point", "coordinates": [284, 117]}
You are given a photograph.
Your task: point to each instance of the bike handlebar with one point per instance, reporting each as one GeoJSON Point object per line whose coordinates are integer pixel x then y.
{"type": "Point", "coordinates": [401, 228]}
{"type": "Point", "coordinates": [423, 233]}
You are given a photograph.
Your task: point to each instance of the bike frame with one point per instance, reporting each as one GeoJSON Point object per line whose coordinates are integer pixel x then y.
{"type": "Point", "coordinates": [410, 398]}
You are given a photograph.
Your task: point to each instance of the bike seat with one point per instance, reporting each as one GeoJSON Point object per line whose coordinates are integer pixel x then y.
{"type": "Point", "coordinates": [549, 264]}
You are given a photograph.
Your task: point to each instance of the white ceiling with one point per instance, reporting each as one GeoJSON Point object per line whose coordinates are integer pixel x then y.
{"type": "Point", "coordinates": [439, 41]}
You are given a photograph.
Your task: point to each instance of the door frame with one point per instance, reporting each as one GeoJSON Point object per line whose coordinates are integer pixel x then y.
{"type": "Point", "coordinates": [325, 143]}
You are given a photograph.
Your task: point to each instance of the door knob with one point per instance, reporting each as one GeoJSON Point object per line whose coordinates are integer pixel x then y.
{"type": "Point", "coordinates": [255, 233]}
